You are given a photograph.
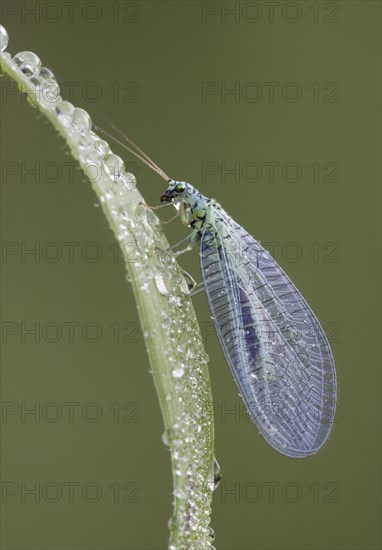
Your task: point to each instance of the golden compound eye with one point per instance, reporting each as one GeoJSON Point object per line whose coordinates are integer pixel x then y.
{"type": "Point", "coordinates": [180, 187]}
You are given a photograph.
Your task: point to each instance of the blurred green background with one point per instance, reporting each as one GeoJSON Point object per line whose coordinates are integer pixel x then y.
{"type": "Point", "coordinates": [292, 154]}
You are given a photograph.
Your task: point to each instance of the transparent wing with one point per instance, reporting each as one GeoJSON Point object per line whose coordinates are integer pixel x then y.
{"type": "Point", "coordinates": [275, 346]}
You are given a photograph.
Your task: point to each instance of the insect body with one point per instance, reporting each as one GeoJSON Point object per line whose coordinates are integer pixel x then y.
{"type": "Point", "coordinates": [276, 348]}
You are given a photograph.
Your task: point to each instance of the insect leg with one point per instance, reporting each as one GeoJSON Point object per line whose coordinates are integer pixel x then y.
{"type": "Point", "coordinates": [156, 207]}
{"type": "Point", "coordinates": [185, 213]}
{"type": "Point", "coordinates": [196, 290]}
{"type": "Point", "coordinates": [191, 283]}
{"type": "Point", "coordinates": [171, 219]}
{"type": "Point", "coordinates": [183, 250]}
{"type": "Point", "coordinates": [189, 247]}
{"type": "Point", "coordinates": [187, 238]}
{"type": "Point", "coordinates": [194, 238]}
{"type": "Point", "coordinates": [144, 205]}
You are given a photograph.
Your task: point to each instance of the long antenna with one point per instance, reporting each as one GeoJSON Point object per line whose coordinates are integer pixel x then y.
{"type": "Point", "coordinates": [153, 166]}
{"type": "Point", "coordinates": [134, 149]}
{"type": "Point", "coordinates": [120, 132]}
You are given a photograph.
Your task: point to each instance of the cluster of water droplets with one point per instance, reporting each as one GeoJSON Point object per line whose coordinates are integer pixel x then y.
{"type": "Point", "coordinates": [190, 438]}
{"type": "Point", "coordinates": [99, 163]}
{"type": "Point", "coordinates": [4, 39]}
{"type": "Point", "coordinates": [185, 380]}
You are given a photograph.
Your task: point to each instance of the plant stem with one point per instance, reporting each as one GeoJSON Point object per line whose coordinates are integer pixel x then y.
{"type": "Point", "coordinates": [169, 324]}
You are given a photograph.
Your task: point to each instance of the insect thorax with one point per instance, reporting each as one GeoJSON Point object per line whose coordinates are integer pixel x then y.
{"type": "Point", "coordinates": [196, 207]}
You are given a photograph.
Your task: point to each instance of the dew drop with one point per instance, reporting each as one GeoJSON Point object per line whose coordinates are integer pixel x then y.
{"type": "Point", "coordinates": [129, 180]}
{"type": "Point", "coordinates": [254, 374]}
{"type": "Point", "coordinates": [178, 372]}
{"type": "Point", "coordinates": [114, 166]}
{"type": "Point", "coordinates": [160, 284]}
{"type": "Point", "coordinates": [179, 493]}
{"type": "Point", "coordinates": [82, 121]}
{"type": "Point", "coordinates": [4, 38]}
{"type": "Point", "coordinates": [37, 81]}
{"type": "Point", "coordinates": [51, 91]}
{"type": "Point", "coordinates": [102, 147]}
{"type": "Point", "coordinates": [215, 475]}
{"type": "Point", "coordinates": [175, 300]}
{"type": "Point", "coordinates": [92, 167]}
{"type": "Point", "coordinates": [47, 74]}
{"type": "Point", "coordinates": [86, 146]}
{"type": "Point", "coordinates": [65, 108]}
{"type": "Point", "coordinates": [28, 62]}
{"type": "Point", "coordinates": [165, 438]}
